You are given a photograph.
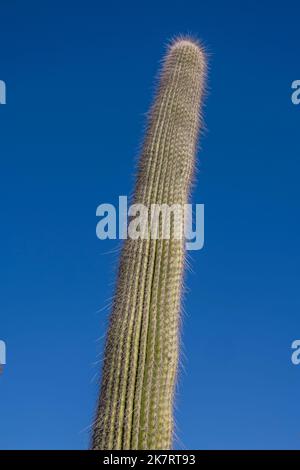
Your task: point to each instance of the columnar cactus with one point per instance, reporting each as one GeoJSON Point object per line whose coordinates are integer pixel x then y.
{"type": "Point", "coordinates": [135, 409]}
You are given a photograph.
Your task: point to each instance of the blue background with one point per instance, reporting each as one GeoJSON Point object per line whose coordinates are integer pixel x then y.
{"type": "Point", "coordinates": [80, 78]}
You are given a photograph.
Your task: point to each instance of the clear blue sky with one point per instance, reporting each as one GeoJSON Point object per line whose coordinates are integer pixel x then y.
{"type": "Point", "coordinates": [80, 78]}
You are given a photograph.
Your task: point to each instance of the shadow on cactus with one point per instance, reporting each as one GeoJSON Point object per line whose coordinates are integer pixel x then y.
{"type": "Point", "coordinates": [135, 409]}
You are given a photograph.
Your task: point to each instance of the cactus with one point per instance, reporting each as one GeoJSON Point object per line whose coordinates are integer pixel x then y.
{"type": "Point", "coordinates": [135, 409]}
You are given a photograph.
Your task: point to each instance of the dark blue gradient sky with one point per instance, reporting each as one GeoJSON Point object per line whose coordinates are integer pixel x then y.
{"type": "Point", "coordinates": [80, 78]}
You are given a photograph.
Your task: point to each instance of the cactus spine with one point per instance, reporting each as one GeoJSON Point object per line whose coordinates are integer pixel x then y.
{"type": "Point", "coordinates": [135, 409]}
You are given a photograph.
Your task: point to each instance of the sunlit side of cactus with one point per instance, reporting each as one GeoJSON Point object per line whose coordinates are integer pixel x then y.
{"type": "Point", "coordinates": [135, 409]}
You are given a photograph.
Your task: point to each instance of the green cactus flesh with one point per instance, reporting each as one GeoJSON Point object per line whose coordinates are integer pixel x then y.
{"type": "Point", "coordinates": [135, 409]}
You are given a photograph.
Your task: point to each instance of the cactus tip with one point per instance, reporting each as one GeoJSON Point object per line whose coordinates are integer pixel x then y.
{"type": "Point", "coordinates": [187, 41]}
